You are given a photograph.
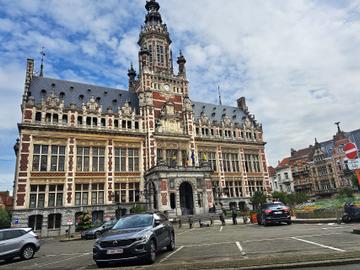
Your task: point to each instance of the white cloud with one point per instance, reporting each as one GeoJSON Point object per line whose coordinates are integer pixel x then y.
{"type": "Point", "coordinates": [295, 61]}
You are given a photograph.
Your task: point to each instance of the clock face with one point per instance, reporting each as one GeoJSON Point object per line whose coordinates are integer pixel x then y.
{"type": "Point", "coordinates": [167, 87]}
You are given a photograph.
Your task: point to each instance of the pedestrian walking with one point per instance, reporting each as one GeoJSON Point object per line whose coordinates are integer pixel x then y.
{"type": "Point", "coordinates": [221, 216]}
{"type": "Point", "coordinates": [234, 215]}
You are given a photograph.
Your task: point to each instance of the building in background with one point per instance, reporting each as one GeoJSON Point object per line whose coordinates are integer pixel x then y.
{"type": "Point", "coordinates": [6, 201]}
{"type": "Point", "coordinates": [88, 148]}
{"type": "Point", "coordinates": [284, 176]}
{"type": "Point", "coordinates": [322, 168]}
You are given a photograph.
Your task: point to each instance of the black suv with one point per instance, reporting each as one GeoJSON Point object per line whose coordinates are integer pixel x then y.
{"type": "Point", "coordinates": [137, 236]}
{"type": "Point", "coordinates": [273, 213]}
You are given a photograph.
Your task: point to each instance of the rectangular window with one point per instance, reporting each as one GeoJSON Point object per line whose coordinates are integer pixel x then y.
{"type": "Point", "coordinates": [120, 159]}
{"type": "Point", "coordinates": [97, 194]}
{"type": "Point", "coordinates": [81, 194]}
{"type": "Point", "coordinates": [83, 159]}
{"type": "Point", "coordinates": [54, 221]}
{"type": "Point", "coordinates": [133, 156]}
{"type": "Point", "coordinates": [57, 158]}
{"type": "Point", "coordinates": [40, 157]}
{"type": "Point", "coordinates": [55, 195]}
{"type": "Point", "coordinates": [37, 196]}
{"type": "Point", "coordinates": [235, 162]}
{"type": "Point", "coordinates": [98, 159]}
{"type": "Point", "coordinates": [120, 192]}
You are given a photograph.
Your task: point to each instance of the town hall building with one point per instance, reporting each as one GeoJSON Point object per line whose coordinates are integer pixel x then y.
{"type": "Point", "coordinates": [90, 148]}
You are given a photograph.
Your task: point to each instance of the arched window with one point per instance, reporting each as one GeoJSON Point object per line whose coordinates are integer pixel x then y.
{"type": "Point", "coordinates": [54, 221]}
{"type": "Point", "coordinates": [79, 120]}
{"type": "Point", "coordinates": [55, 118]}
{"type": "Point", "coordinates": [88, 121]}
{"type": "Point", "coordinates": [38, 117]}
{"type": "Point", "coordinates": [65, 119]}
{"type": "Point", "coordinates": [116, 123]}
{"type": "Point", "coordinates": [103, 122]}
{"type": "Point", "coordinates": [94, 120]}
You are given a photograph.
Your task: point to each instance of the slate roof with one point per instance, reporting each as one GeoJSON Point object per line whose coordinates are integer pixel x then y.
{"type": "Point", "coordinates": [114, 98]}
{"type": "Point", "coordinates": [73, 91]}
{"type": "Point", "coordinates": [217, 112]}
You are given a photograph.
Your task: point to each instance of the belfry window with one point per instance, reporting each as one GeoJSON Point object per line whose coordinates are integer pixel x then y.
{"type": "Point", "coordinates": [160, 54]}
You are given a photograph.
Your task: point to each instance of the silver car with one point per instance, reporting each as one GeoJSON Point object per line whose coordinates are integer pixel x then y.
{"type": "Point", "coordinates": [18, 242]}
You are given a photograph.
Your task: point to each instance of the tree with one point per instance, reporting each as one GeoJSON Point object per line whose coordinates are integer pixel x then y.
{"type": "Point", "coordinates": [84, 222]}
{"type": "Point", "coordinates": [281, 196]}
{"type": "Point", "coordinates": [355, 181]}
{"type": "Point", "coordinates": [258, 199]}
{"type": "Point", "coordinates": [346, 193]}
{"type": "Point", "coordinates": [297, 198]}
{"type": "Point", "coordinates": [5, 219]}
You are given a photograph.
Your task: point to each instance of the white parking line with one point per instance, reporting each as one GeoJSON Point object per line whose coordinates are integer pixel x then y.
{"type": "Point", "coordinates": [168, 256]}
{"type": "Point", "coordinates": [221, 228]}
{"type": "Point", "coordinates": [185, 231]}
{"type": "Point", "coordinates": [240, 248]}
{"type": "Point", "coordinates": [59, 261]}
{"type": "Point", "coordinates": [317, 244]}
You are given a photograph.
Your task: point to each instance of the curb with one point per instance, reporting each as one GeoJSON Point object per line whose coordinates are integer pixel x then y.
{"type": "Point", "coordinates": [299, 265]}
{"type": "Point", "coordinates": [356, 231]}
{"type": "Point", "coordinates": [314, 221]}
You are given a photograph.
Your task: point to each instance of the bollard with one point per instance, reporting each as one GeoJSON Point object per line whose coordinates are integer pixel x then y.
{"type": "Point", "coordinates": [190, 223]}
{"type": "Point", "coordinates": [211, 221]}
{"type": "Point", "coordinates": [180, 223]}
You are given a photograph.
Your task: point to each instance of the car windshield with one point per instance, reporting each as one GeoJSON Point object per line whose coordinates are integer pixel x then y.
{"type": "Point", "coordinates": [136, 221]}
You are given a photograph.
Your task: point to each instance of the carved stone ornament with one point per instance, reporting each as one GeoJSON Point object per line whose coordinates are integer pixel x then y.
{"type": "Point", "coordinates": [126, 110]}
{"type": "Point", "coordinates": [247, 123]}
{"type": "Point", "coordinates": [204, 120]}
{"type": "Point", "coordinates": [168, 110]}
{"type": "Point", "coordinates": [188, 105]}
{"type": "Point", "coordinates": [227, 121]}
{"type": "Point", "coordinates": [52, 102]}
{"type": "Point", "coordinates": [92, 106]}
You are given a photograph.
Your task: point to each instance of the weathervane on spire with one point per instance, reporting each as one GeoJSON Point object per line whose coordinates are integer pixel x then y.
{"type": "Point", "coordinates": [42, 53]}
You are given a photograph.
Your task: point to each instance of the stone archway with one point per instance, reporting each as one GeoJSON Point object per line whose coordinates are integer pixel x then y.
{"type": "Point", "coordinates": [186, 198]}
{"type": "Point", "coordinates": [151, 196]}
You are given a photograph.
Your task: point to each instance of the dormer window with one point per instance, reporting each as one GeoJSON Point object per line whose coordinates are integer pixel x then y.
{"type": "Point", "coordinates": [43, 93]}
{"type": "Point", "coordinates": [81, 97]}
{"type": "Point", "coordinates": [62, 95]}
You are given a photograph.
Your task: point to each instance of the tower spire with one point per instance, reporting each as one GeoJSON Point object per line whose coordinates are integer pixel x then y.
{"type": "Point", "coordinates": [220, 102]}
{"type": "Point", "coordinates": [42, 53]}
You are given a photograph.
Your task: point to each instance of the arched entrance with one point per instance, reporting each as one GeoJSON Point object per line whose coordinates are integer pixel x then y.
{"type": "Point", "coordinates": [186, 199]}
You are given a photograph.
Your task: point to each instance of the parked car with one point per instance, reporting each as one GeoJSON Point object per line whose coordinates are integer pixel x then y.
{"type": "Point", "coordinates": [138, 236]}
{"type": "Point", "coordinates": [18, 242]}
{"type": "Point", "coordinates": [273, 213]}
{"type": "Point", "coordinates": [351, 213]}
{"type": "Point", "coordinates": [96, 232]}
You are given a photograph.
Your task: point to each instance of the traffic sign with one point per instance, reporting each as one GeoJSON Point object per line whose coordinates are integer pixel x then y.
{"type": "Point", "coordinates": [351, 151]}
{"type": "Point", "coordinates": [69, 221]}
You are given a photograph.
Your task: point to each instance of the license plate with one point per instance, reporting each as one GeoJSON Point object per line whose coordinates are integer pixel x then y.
{"type": "Point", "coordinates": [115, 251]}
{"type": "Point", "coordinates": [277, 213]}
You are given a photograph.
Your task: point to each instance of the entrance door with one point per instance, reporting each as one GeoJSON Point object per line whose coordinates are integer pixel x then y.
{"type": "Point", "coordinates": [186, 199]}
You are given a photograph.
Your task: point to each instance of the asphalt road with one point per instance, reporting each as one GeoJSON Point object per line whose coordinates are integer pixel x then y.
{"type": "Point", "coordinates": [216, 243]}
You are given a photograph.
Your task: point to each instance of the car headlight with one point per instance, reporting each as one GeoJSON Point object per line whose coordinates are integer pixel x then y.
{"type": "Point", "coordinates": [143, 239]}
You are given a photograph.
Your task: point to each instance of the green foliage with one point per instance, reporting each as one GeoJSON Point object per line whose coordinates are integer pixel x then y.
{"type": "Point", "coordinates": [84, 222]}
{"type": "Point", "coordinates": [137, 209]}
{"type": "Point", "coordinates": [257, 199]}
{"type": "Point", "coordinates": [355, 182]}
{"type": "Point", "coordinates": [281, 196]}
{"type": "Point", "coordinates": [5, 219]}
{"type": "Point", "coordinates": [297, 198]}
{"type": "Point", "coordinates": [346, 192]}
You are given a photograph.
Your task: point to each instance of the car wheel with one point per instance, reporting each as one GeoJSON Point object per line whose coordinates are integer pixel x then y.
{"type": "Point", "coordinates": [263, 221]}
{"type": "Point", "coordinates": [288, 222]}
{"type": "Point", "coordinates": [97, 234]}
{"type": "Point", "coordinates": [346, 219]}
{"type": "Point", "coordinates": [171, 245]}
{"type": "Point", "coordinates": [101, 264]}
{"type": "Point", "coordinates": [27, 252]}
{"type": "Point", "coordinates": [152, 252]}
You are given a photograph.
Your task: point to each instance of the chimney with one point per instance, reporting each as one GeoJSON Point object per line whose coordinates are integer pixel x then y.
{"type": "Point", "coordinates": [241, 103]}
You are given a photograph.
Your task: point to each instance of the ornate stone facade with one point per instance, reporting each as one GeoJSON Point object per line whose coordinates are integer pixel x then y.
{"type": "Point", "coordinates": [90, 148]}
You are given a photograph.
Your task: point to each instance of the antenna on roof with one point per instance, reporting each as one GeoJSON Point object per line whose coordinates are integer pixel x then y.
{"type": "Point", "coordinates": [42, 53]}
{"type": "Point", "coordinates": [220, 103]}
{"type": "Point", "coordinates": [338, 126]}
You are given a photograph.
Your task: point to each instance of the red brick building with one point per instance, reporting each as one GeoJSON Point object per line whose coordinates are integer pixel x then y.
{"type": "Point", "coordinates": [97, 149]}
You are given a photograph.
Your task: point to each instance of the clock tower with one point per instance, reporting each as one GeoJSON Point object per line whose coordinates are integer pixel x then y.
{"type": "Point", "coordinates": [163, 95]}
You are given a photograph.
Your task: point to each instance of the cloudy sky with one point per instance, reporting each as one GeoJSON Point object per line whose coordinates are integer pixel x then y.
{"type": "Point", "coordinates": [297, 62]}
